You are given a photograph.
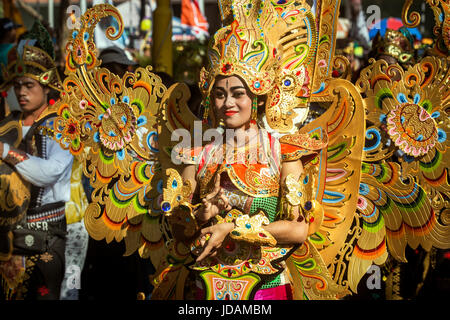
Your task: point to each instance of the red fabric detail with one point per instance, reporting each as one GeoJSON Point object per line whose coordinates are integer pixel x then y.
{"type": "Point", "coordinates": [278, 293]}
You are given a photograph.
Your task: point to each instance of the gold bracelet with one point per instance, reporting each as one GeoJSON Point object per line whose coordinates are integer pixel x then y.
{"type": "Point", "coordinates": [250, 229]}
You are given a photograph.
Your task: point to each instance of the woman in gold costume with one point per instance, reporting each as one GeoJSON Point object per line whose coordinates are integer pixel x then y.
{"type": "Point", "coordinates": [245, 180]}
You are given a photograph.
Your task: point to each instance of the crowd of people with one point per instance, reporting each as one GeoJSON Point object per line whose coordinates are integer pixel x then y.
{"type": "Point", "coordinates": [46, 252]}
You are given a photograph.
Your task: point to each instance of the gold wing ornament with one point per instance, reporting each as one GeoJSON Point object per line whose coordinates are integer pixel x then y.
{"type": "Point", "coordinates": [403, 202]}
{"type": "Point", "coordinates": [373, 206]}
{"type": "Point", "coordinates": [370, 209]}
{"type": "Point", "coordinates": [113, 118]}
{"type": "Point", "coordinates": [115, 127]}
{"type": "Point", "coordinates": [333, 178]}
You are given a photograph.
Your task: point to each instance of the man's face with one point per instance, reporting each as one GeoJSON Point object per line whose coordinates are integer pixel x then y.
{"type": "Point", "coordinates": [31, 95]}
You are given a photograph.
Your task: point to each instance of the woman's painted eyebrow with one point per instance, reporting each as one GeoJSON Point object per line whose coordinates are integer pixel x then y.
{"type": "Point", "coordinates": [232, 88]}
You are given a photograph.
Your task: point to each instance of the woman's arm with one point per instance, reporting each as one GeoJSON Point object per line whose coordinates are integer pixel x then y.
{"type": "Point", "coordinates": [188, 174]}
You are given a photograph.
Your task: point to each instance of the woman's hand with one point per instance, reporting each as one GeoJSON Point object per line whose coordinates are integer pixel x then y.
{"type": "Point", "coordinates": [213, 203]}
{"type": "Point", "coordinates": [218, 233]}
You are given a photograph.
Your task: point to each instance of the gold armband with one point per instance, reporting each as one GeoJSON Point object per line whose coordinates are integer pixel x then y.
{"type": "Point", "coordinates": [250, 229]}
{"type": "Point", "coordinates": [292, 196]}
{"type": "Point", "coordinates": [296, 193]}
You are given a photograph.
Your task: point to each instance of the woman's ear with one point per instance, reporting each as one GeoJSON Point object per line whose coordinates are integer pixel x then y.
{"type": "Point", "coordinates": [262, 100]}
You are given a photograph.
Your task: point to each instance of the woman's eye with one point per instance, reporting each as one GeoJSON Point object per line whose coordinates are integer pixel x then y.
{"type": "Point", "coordinates": [238, 94]}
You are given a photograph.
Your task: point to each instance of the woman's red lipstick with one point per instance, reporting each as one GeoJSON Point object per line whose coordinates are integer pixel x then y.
{"type": "Point", "coordinates": [230, 113]}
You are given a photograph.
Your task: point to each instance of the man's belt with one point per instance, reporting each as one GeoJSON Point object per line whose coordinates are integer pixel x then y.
{"type": "Point", "coordinates": [42, 225]}
{"type": "Point", "coordinates": [52, 212]}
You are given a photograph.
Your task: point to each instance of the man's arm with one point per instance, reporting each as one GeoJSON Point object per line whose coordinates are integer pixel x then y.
{"type": "Point", "coordinates": [38, 171]}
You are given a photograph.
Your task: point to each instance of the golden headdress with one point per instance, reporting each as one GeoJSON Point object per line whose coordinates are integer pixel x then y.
{"type": "Point", "coordinates": [271, 47]}
{"type": "Point", "coordinates": [33, 57]}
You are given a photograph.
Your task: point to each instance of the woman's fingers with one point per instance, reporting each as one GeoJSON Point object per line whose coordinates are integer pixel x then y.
{"type": "Point", "coordinates": [216, 189]}
{"type": "Point", "coordinates": [209, 246]}
{"type": "Point", "coordinates": [217, 234]}
{"type": "Point", "coordinates": [204, 253]}
{"type": "Point", "coordinates": [205, 231]}
{"type": "Point", "coordinates": [217, 181]}
{"type": "Point", "coordinates": [209, 250]}
{"type": "Point", "coordinates": [207, 205]}
{"type": "Point", "coordinates": [223, 202]}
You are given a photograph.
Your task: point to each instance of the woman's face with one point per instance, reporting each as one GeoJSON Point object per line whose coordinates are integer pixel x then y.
{"type": "Point", "coordinates": [232, 102]}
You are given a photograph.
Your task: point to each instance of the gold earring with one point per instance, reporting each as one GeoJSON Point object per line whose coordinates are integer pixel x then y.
{"type": "Point", "coordinates": [254, 110]}
{"type": "Point", "coordinates": [206, 110]}
{"type": "Point", "coordinates": [221, 127]}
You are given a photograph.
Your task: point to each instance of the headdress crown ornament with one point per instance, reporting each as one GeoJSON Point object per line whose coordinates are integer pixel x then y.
{"type": "Point", "coordinates": [270, 46]}
{"type": "Point", "coordinates": [33, 57]}
{"type": "Point", "coordinates": [245, 49]}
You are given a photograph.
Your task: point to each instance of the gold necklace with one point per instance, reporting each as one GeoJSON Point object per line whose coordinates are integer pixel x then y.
{"type": "Point", "coordinates": [242, 154]}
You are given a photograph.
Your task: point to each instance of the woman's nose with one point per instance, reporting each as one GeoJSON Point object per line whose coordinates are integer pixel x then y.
{"type": "Point", "coordinates": [229, 101]}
